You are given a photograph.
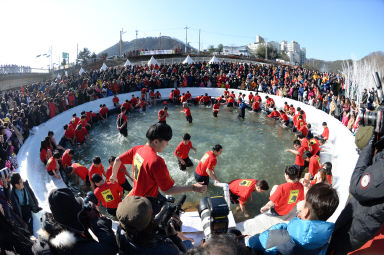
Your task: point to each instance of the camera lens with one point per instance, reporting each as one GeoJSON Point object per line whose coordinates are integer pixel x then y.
{"type": "Point", "coordinates": [368, 118]}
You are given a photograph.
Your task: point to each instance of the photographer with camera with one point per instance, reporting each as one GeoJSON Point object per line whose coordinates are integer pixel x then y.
{"type": "Point", "coordinates": [66, 229]}
{"type": "Point", "coordinates": [139, 232]}
{"type": "Point", "coordinates": [363, 215]}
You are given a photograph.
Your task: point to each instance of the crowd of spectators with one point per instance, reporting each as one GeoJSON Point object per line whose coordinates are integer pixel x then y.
{"type": "Point", "coordinates": [33, 104]}
{"type": "Point", "coordinates": [11, 69]}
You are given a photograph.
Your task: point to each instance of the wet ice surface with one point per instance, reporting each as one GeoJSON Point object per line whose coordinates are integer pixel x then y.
{"type": "Point", "coordinates": [252, 148]}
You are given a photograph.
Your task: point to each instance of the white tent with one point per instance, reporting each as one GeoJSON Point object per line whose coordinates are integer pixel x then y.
{"type": "Point", "coordinates": [128, 63]}
{"type": "Point", "coordinates": [153, 61]}
{"type": "Point", "coordinates": [103, 67]}
{"type": "Point", "coordinates": [214, 60]}
{"type": "Point", "coordinates": [81, 71]}
{"type": "Point", "coordinates": [188, 60]}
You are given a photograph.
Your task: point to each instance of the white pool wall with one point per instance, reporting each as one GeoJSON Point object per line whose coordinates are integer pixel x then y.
{"type": "Point", "coordinates": [341, 149]}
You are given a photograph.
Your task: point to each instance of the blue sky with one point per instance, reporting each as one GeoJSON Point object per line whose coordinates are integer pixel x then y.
{"type": "Point", "coordinates": [329, 30]}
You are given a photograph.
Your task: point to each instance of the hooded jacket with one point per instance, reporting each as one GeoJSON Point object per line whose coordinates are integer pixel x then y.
{"type": "Point", "coordinates": [297, 237]}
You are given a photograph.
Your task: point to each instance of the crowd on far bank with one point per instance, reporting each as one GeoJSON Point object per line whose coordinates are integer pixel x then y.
{"type": "Point", "coordinates": [14, 69]}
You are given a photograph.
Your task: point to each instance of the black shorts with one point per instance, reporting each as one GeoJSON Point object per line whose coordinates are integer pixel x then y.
{"type": "Point", "coordinates": [51, 173]}
{"type": "Point", "coordinates": [112, 211]}
{"type": "Point", "coordinates": [230, 105]}
{"type": "Point", "coordinates": [234, 198]}
{"type": "Point", "coordinates": [207, 103]}
{"type": "Point", "coordinates": [300, 170]}
{"type": "Point", "coordinates": [215, 114]}
{"type": "Point", "coordinates": [204, 179]}
{"type": "Point", "coordinates": [273, 212]}
{"type": "Point", "coordinates": [188, 163]}
{"type": "Point", "coordinates": [189, 118]}
{"type": "Point", "coordinates": [124, 131]}
{"type": "Point", "coordinates": [126, 186]}
{"type": "Point", "coordinates": [163, 121]}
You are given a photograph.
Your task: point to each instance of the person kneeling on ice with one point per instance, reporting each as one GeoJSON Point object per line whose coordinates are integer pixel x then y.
{"type": "Point", "coordinates": [284, 197]}
{"type": "Point", "coordinates": [241, 189]}
{"type": "Point", "coordinates": [182, 151]}
{"type": "Point", "coordinates": [284, 118]}
{"type": "Point", "coordinates": [275, 114]}
{"type": "Point", "coordinates": [308, 233]}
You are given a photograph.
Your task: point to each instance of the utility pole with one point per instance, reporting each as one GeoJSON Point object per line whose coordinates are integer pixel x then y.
{"type": "Point", "coordinates": [77, 52]}
{"type": "Point", "coordinates": [199, 40]}
{"type": "Point", "coordinates": [121, 41]}
{"type": "Point", "coordinates": [186, 38]}
{"type": "Point", "coordinates": [160, 41]}
{"type": "Point", "coordinates": [137, 31]}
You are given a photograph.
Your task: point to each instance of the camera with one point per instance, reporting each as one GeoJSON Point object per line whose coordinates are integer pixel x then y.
{"type": "Point", "coordinates": [4, 173]}
{"type": "Point", "coordinates": [213, 212]}
{"type": "Point", "coordinates": [169, 209]}
{"type": "Point", "coordinates": [374, 119]}
{"type": "Point", "coordinates": [90, 197]}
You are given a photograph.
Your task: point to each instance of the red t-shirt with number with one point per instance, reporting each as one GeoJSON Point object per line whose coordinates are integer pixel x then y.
{"type": "Point", "coordinates": [286, 197]}
{"type": "Point", "coordinates": [314, 165]}
{"type": "Point", "coordinates": [182, 150]}
{"type": "Point", "coordinates": [242, 188]}
{"type": "Point", "coordinates": [96, 170]}
{"type": "Point", "coordinates": [66, 160]}
{"type": "Point", "coordinates": [120, 174]}
{"type": "Point", "coordinates": [208, 161]}
{"type": "Point", "coordinates": [149, 171]}
{"type": "Point", "coordinates": [187, 111]}
{"type": "Point", "coordinates": [314, 146]}
{"type": "Point", "coordinates": [299, 158]}
{"type": "Point", "coordinates": [80, 170]}
{"type": "Point", "coordinates": [109, 194]}
{"type": "Point", "coordinates": [51, 164]}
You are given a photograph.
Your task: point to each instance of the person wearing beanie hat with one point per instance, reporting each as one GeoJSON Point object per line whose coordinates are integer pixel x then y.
{"type": "Point", "coordinates": [66, 229]}
{"type": "Point", "coordinates": [136, 233]}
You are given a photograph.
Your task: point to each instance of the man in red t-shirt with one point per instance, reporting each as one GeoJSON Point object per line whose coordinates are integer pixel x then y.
{"type": "Point", "coordinates": [284, 118]}
{"type": "Point", "coordinates": [69, 133]}
{"type": "Point", "coordinates": [81, 134]}
{"type": "Point", "coordinates": [284, 197]}
{"type": "Point", "coordinates": [304, 141]}
{"type": "Point", "coordinates": [80, 171]}
{"type": "Point", "coordinates": [149, 170]}
{"type": "Point", "coordinates": [53, 166]}
{"type": "Point", "coordinates": [206, 166]}
{"type": "Point", "coordinates": [314, 163]}
{"type": "Point", "coordinates": [121, 122]}
{"type": "Point", "coordinates": [187, 112]}
{"type": "Point", "coordinates": [216, 108]}
{"type": "Point", "coordinates": [115, 101]}
{"type": "Point", "coordinates": [108, 193]}
{"type": "Point", "coordinates": [241, 189]}
{"type": "Point", "coordinates": [121, 180]}
{"type": "Point", "coordinates": [182, 151]}
{"type": "Point", "coordinates": [274, 114]}
{"type": "Point", "coordinates": [314, 146]}
{"type": "Point", "coordinates": [163, 114]}
{"type": "Point", "coordinates": [66, 159]}
{"type": "Point", "coordinates": [325, 134]}
{"type": "Point", "coordinates": [299, 161]}
{"type": "Point", "coordinates": [96, 168]}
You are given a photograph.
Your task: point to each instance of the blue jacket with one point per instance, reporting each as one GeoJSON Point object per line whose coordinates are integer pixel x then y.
{"type": "Point", "coordinates": [297, 237]}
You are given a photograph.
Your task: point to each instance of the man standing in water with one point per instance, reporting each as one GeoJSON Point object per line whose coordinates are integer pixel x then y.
{"type": "Point", "coordinates": [206, 166]}
{"type": "Point", "coordinates": [149, 170]}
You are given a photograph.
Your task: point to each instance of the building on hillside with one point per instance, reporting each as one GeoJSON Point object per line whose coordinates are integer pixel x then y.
{"type": "Point", "coordinates": [236, 50]}
{"type": "Point", "coordinates": [292, 49]}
